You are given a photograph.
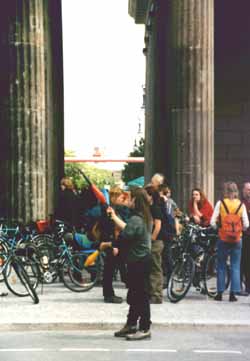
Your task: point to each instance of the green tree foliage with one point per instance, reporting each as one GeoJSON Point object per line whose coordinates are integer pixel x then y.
{"type": "Point", "coordinates": [134, 170]}
{"type": "Point", "coordinates": [99, 177]}
{"type": "Point", "coordinates": [69, 153]}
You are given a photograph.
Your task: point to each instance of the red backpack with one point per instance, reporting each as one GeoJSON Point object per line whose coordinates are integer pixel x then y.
{"type": "Point", "coordinates": [231, 225]}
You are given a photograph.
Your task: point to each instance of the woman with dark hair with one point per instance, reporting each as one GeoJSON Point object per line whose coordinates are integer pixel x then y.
{"type": "Point", "coordinates": [135, 243]}
{"type": "Point", "coordinates": [199, 208]}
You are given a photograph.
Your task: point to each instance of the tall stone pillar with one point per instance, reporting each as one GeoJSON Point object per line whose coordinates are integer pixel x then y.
{"type": "Point", "coordinates": [192, 110]}
{"type": "Point", "coordinates": [31, 104]}
{"type": "Point", "coordinates": [158, 91]}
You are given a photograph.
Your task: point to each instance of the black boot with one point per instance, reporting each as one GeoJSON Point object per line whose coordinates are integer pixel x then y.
{"type": "Point", "coordinates": [126, 330]}
{"type": "Point", "coordinates": [232, 297]}
{"type": "Point", "coordinates": [218, 297]}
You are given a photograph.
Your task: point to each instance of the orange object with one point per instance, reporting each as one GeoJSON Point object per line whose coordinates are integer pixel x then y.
{"type": "Point", "coordinates": [91, 259]}
{"type": "Point", "coordinates": [1, 261]}
{"type": "Point", "coordinates": [42, 225]}
{"type": "Point", "coordinates": [99, 195]}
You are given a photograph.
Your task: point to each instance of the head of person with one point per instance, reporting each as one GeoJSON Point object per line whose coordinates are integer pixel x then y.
{"type": "Point", "coordinates": [164, 190]}
{"type": "Point", "coordinates": [115, 194]}
{"type": "Point", "coordinates": [66, 183]}
{"type": "Point", "coordinates": [246, 190]}
{"type": "Point", "coordinates": [139, 201]}
{"type": "Point", "coordinates": [230, 190]}
{"type": "Point", "coordinates": [199, 196]}
{"type": "Point", "coordinates": [118, 196]}
{"type": "Point", "coordinates": [153, 194]}
{"type": "Point", "coordinates": [157, 180]}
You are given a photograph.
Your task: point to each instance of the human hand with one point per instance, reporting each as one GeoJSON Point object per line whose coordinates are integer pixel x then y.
{"type": "Point", "coordinates": [197, 219]}
{"type": "Point", "coordinates": [115, 251]}
{"type": "Point", "coordinates": [110, 212]}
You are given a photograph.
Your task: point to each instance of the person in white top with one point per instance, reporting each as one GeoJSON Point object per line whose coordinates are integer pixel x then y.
{"type": "Point", "coordinates": [229, 205]}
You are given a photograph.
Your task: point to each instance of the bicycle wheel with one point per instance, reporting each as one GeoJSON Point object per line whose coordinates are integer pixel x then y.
{"type": "Point", "coordinates": [46, 254]}
{"type": "Point", "coordinates": [28, 258]}
{"type": "Point", "coordinates": [76, 276]}
{"type": "Point", "coordinates": [181, 279]}
{"type": "Point", "coordinates": [18, 281]}
{"type": "Point", "coordinates": [210, 276]}
{"type": "Point", "coordinates": [3, 258]}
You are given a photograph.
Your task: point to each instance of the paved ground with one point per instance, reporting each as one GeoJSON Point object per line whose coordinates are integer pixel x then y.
{"type": "Point", "coordinates": [61, 309]}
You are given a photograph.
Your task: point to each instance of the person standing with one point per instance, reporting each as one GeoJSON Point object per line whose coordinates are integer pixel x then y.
{"type": "Point", "coordinates": [245, 254]}
{"type": "Point", "coordinates": [157, 237]}
{"type": "Point", "coordinates": [230, 216]}
{"type": "Point", "coordinates": [135, 243]}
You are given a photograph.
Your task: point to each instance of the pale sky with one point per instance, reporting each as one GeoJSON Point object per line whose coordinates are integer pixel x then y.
{"type": "Point", "coordinates": [104, 70]}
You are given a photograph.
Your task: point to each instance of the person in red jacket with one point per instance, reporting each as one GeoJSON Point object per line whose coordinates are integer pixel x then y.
{"type": "Point", "coordinates": [199, 208]}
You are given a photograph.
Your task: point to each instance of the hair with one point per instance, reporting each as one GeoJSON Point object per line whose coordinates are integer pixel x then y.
{"type": "Point", "coordinates": [164, 188]}
{"type": "Point", "coordinates": [245, 184]}
{"type": "Point", "coordinates": [67, 183]}
{"type": "Point", "coordinates": [142, 205]}
{"type": "Point", "coordinates": [203, 197]}
{"type": "Point", "coordinates": [230, 190]}
{"type": "Point", "coordinates": [159, 177]}
{"type": "Point", "coordinates": [115, 192]}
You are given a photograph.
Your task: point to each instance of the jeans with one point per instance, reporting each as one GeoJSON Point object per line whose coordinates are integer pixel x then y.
{"type": "Point", "coordinates": [234, 251]}
{"type": "Point", "coordinates": [245, 261]}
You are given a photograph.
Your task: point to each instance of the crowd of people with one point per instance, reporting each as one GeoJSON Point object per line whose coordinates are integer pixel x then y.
{"type": "Point", "coordinates": [135, 229]}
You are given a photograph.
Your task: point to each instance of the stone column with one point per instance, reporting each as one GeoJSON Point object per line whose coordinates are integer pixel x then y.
{"type": "Point", "coordinates": [192, 23]}
{"type": "Point", "coordinates": [29, 104]}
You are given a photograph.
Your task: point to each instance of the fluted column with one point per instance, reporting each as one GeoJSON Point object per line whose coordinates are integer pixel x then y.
{"type": "Point", "coordinates": [192, 23]}
{"type": "Point", "coordinates": [29, 114]}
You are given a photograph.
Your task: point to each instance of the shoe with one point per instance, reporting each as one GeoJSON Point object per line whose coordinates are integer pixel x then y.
{"type": "Point", "coordinates": [126, 330]}
{"type": "Point", "coordinates": [139, 335]}
{"type": "Point", "coordinates": [242, 293]}
{"type": "Point", "coordinates": [218, 297]}
{"type": "Point", "coordinates": [3, 294]}
{"type": "Point", "coordinates": [154, 300]}
{"type": "Point", "coordinates": [232, 298]}
{"type": "Point", "coordinates": [113, 299]}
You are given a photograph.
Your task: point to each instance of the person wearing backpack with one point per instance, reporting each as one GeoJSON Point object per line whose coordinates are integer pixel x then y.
{"type": "Point", "coordinates": [230, 216]}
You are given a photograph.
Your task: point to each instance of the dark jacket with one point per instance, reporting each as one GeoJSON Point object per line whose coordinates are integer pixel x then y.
{"type": "Point", "coordinates": [67, 207]}
{"type": "Point", "coordinates": [135, 240]}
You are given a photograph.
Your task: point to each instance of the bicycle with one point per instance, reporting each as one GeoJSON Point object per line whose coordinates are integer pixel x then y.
{"type": "Point", "coordinates": [195, 263]}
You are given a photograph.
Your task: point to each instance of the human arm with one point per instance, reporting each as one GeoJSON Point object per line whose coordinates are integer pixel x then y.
{"type": "Point", "coordinates": [245, 220]}
{"type": "Point", "coordinates": [118, 221]}
{"type": "Point", "coordinates": [157, 228]}
{"type": "Point", "coordinates": [197, 212]}
{"type": "Point", "coordinates": [215, 215]}
{"type": "Point", "coordinates": [207, 211]}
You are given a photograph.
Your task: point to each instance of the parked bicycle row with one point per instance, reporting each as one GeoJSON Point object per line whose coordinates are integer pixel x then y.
{"type": "Point", "coordinates": [183, 252]}
{"type": "Point", "coordinates": [29, 258]}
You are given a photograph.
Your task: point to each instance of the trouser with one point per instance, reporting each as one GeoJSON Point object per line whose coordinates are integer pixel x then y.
{"type": "Point", "coordinates": [234, 251]}
{"type": "Point", "coordinates": [111, 263]}
{"type": "Point", "coordinates": [167, 259]}
{"type": "Point", "coordinates": [245, 261]}
{"type": "Point", "coordinates": [108, 273]}
{"type": "Point", "coordinates": [138, 293]}
{"type": "Point", "coordinates": [156, 275]}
